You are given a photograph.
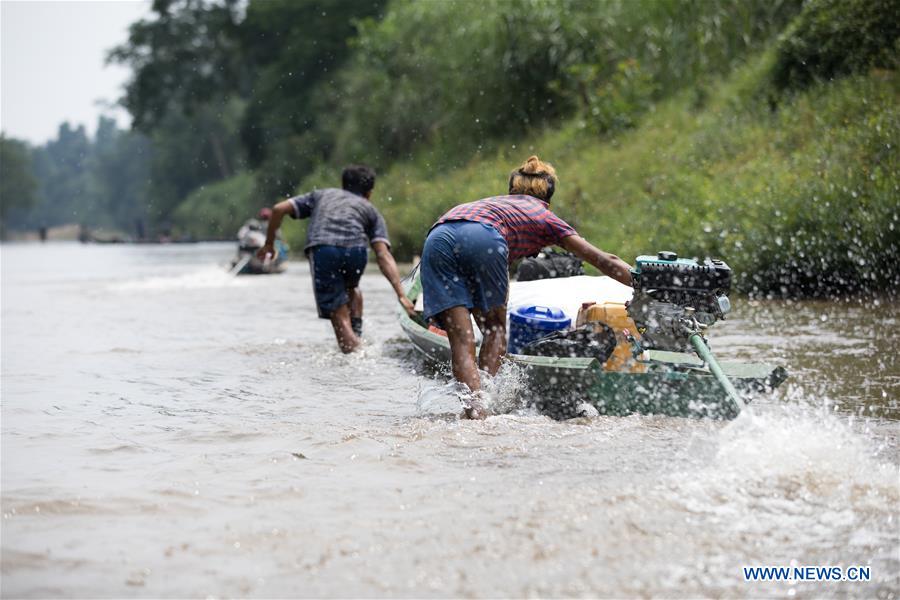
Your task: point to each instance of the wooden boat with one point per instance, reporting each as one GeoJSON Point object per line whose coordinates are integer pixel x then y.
{"type": "Point", "coordinates": [246, 263]}
{"type": "Point", "coordinates": [673, 383]}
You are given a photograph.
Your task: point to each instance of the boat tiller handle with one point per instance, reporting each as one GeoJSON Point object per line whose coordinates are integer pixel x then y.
{"type": "Point", "coordinates": [706, 355]}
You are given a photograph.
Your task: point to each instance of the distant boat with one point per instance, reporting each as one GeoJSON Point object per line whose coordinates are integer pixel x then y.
{"type": "Point", "coordinates": [250, 240]}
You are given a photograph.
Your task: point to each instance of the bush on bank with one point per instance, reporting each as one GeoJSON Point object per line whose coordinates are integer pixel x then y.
{"type": "Point", "coordinates": [217, 211]}
{"type": "Point", "coordinates": [831, 38]}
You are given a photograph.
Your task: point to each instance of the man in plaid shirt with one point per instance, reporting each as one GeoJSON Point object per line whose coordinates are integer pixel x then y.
{"type": "Point", "coordinates": [465, 267]}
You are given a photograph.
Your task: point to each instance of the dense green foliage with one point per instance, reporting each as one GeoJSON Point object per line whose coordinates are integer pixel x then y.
{"type": "Point", "coordinates": [190, 152]}
{"type": "Point", "coordinates": [184, 58]}
{"type": "Point", "coordinates": [454, 79]}
{"type": "Point", "coordinates": [838, 37]}
{"type": "Point", "coordinates": [295, 49]}
{"type": "Point", "coordinates": [220, 208]}
{"type": "Point", "coordinates": [189, 79]}
{"type": "Point", "coordinates": [118, 179]}
{"type": "Point", "coordinates": [18, 186]}
{"type": "Point", "coordinates": [245, 91]}
{"type": "Point", "coordinates": [100, 183]}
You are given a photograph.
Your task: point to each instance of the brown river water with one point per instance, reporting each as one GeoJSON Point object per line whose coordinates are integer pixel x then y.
{"type": "Point", "coordinates": [171, 431]}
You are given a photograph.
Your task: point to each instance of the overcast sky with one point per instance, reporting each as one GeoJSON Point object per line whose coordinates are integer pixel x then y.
{"type": "Point", "coordinates": [52, 63]}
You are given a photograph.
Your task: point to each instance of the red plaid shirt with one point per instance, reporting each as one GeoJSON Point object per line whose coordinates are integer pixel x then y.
{"type": "Point", "coordinates": [525, 222]}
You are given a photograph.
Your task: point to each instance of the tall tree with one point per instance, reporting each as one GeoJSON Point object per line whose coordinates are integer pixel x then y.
{"type": "Point", "coordinates": [100, 182]}
{"type": "Point", "coordinates": [185, 157]}
{"type": "Point", "coordinates": [182, 59]}
{"type": "Point", "coordinates": [61, 168]}
{"type": "Point", "coordinates": [295, 49]}
{"type": "Point", "coordinates": [18, 187]}
{"type": "Point", "coordinates": [185, 62]}
{"type": "Point", "coordinates": [120, 175]}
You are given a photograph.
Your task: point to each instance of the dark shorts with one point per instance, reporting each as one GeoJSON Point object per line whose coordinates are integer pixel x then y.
{"type": "Point", "coordinates": [334, 271]}
{"type": "Point", "coordinates": [464, 263]}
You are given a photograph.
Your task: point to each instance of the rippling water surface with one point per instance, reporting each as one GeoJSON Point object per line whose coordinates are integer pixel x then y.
{"type": "Point", "coordinates": [168, 430]}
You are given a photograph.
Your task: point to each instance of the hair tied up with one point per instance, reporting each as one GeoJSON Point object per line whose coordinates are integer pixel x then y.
{"type": "Point", "coordinates": [532, 166]}
{"type": "Point", "coordinates": [533, 178]}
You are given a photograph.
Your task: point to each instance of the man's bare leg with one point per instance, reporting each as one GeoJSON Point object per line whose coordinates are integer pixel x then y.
{"type": "Point", "coordinates": [493, 346]}
{"type": "Point", "coordinates": [340, 322]}
{"type": "Point", "coordinates": [458, 325]}
{"type": "Point", "coordinates": [356, 309]}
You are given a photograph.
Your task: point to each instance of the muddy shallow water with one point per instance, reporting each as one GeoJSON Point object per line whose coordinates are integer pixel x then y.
{"type": "Point", "coordinates": [168, 430]}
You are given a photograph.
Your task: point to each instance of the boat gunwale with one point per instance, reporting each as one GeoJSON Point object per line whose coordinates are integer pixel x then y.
{"type": "Point", "coordinates": [661, 362]}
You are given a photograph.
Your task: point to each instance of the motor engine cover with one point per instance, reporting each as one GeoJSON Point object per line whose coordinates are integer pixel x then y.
{"type": "Point", "coordinates": [669, 290]}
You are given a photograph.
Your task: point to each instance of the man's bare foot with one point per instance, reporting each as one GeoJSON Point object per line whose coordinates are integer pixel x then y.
{"type": "Point", "coordinates": [476, 414]}
{"type": "Point", "coordinates": [475, 406]}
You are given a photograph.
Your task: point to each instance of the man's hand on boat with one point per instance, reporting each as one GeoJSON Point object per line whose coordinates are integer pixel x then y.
{"type": "Point", "coordinates": [606, 263]}
{"type": "Point", "coordinates": [267, 250]}
{"type": "Point", "coordinates": [407, 304]}
{"type": "Point", "coordinates": [388, 268]}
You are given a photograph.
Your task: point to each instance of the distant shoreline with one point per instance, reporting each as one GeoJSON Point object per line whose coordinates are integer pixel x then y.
{"type": "Point", "coordinates": [74, 233]}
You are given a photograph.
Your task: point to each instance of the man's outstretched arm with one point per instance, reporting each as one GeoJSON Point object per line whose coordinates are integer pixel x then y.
{"type": "Point", "coordinates": [608, 264]}
{"type": "Point", "coordinates": [278, 212]}
{"type": "Point", "coordinates": [389, 268]}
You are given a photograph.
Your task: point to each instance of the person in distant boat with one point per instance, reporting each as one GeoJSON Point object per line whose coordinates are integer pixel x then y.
{"type": "Point", "coordinates": [465, 261]}
{"type": "Point", "coordinates": [343, 222]}
{"type": "Point", "coordinates": [251, 237]}
{"type": "Point", "coordinates": [252, 234]}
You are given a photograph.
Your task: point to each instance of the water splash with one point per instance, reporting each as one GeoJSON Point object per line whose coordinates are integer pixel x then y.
{"type": "Point", "coordinates": [793, 468]}
{"type": "Point", "coordinates": [436, 398]}
{"type": "Point", "coordinates": [207, 277]}
{"type": "Point", "coordinates": [500, 394]}
{"type": "Point", "coordinates": [503, 392]}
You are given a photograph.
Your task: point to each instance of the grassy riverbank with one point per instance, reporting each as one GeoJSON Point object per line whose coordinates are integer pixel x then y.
{"type": "Point", "coordinates": [803, 198]}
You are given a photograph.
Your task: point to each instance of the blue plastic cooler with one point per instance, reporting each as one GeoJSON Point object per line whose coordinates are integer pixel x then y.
{"type": "Point", "coordinates": [529, 323]}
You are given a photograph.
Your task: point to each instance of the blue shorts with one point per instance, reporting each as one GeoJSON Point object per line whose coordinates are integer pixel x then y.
{"type": "Point", "coordinates": [334, 271]}
{"type": "Point", "coordinates": [464, 263]}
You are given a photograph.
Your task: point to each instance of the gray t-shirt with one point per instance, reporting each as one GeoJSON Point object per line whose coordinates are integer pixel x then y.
{"type": "Point", "coordinates": [339, 218]}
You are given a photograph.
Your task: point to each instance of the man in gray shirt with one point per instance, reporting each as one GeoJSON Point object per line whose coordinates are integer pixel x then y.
{"type": "Point", "coordinates": [342, 224]}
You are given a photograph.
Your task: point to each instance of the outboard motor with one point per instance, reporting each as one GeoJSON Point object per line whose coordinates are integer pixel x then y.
{"type": "Point", "coordinates": [675, 300]}
{"type": "Point", "coordinates": [668, 291]}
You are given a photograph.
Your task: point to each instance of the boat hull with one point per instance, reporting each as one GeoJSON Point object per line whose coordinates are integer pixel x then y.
{"type": "Point", "coordinates": [254, 266]}
{"type": "Point", "coordinates": [674, 384]}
